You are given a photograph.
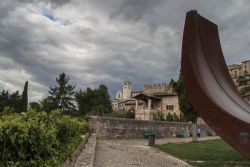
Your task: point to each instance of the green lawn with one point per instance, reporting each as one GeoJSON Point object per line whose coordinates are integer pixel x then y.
{"type": "Point", "coordinates": [211, 153]}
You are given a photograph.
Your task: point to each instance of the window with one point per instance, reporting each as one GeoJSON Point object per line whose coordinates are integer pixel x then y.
{"type": "Point", "coordinates": [170, 107]}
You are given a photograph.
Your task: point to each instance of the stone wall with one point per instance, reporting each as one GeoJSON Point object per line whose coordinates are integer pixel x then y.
{"type": "Point", "coordinates": [69, 162]}
{"type": "Point", "coordinates": [121, 128]}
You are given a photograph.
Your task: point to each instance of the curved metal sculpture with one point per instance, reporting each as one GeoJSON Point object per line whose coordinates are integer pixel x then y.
{"type": "Point", "coordinates": [209, 86]}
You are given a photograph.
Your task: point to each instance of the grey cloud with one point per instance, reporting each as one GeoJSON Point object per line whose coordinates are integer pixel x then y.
{"type": "Point", "coordinates": [134, 9]}
{"type": "Point", "coordinates": [96, 42]}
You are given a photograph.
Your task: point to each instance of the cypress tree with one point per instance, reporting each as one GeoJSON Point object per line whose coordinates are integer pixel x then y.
{"type": "Point", "coordinates": [24, 98]}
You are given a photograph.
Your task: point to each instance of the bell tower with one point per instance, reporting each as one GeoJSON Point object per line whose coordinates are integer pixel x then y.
{"type": "Point", "coordinates": [126, 90]}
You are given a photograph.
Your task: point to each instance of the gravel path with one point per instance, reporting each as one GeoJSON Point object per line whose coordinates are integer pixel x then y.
{"type": "Point", "coordinates": [132, 153]}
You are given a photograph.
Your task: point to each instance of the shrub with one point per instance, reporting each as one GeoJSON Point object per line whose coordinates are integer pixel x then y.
{"type": "Point", "coordinates": [37, 138]}
{"type": "Point", "coordinates": [159, 116]}
{"type": "Point", "coordinates": [127, 114]}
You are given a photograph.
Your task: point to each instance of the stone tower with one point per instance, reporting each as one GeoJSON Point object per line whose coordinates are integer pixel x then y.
{"type": "Point", "coordinates": [126, 90]}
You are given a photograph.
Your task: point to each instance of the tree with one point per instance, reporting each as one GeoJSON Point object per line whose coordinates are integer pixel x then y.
{"type": "Point", "coordinates": [169, 117]}
{"type": "Point", "coordinates": [35, 106]}
{"type": "Point", "coordinates": [10, 100]}
{"type": "Point", "coordinates": [176, 118]}
{"type": "Point", "coordinates": [24, 98]}
{"type": "Point", "coordinates": [4, 99]}
{"type": "Point", "coordinates": [184, 104]}
{"type": "Point", "coordinates": [15, 100]}
{"type": "Point", "coordinates": [47, 105]}
{"type": "Point", "coordinates": [61, 95]}
{"type": "Point", "coordinates": [96, 101]}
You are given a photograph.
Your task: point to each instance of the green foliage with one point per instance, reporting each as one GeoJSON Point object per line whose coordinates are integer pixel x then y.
{"type": "Point", "coordinates": [128, 114]}
{"type": "Point", "coordinates": [10, 100]}
{"type": "Point", "coordinates": [47, 104]}
{"type": "Point", "coordinates": [170, 117]}
{"type": "Point", "coordinates": [35, 106]}
{"type": "Point", "coordinates": [182, 118]}
{"type": "Point", "coordinates": [176, 118]}
{"type": "Point", "coordinates": [243, 80]}
{"type": "Point", "coordinates": [158, 116]}
{"type": "Point", "coordinates": [245, 90]}
{"type": "Point", "coordinates": [184, 104]}
{"type": "Point", "coordinates": [37, 138]}
{"type": "Point", "coordinates": [61, 95]}
{"type": "Point", "coordinates": [96, 101]}
{"type": "Point", "coordinates": [7, 110]}
{"type": "Point", "coordinates": [24, 98]}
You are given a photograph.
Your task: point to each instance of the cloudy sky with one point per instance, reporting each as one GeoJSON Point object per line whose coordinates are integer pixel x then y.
{"type": "Point", "coordinates": [107, 41]}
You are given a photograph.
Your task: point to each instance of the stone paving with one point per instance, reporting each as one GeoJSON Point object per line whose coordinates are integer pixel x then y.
{"type": "Point", "coordinates": [128, 153]}
{"type": "Point", "coordinates": [131, 153]}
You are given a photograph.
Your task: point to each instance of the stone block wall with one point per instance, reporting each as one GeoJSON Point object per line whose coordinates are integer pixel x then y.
{"type": "Point", "coordinates": [121, 128]}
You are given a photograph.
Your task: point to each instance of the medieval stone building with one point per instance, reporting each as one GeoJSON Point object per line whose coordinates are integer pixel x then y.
{"type": "Point", "coordinates": [152, 99]}
{"type": "Point", "coordinates": [240, 74]}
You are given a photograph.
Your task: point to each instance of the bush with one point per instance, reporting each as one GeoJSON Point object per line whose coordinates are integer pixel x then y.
{"type": "Point", "coordinates": [37, 138]}
{"type": "Point", "coordinates": [128, 114]}
{"type": "Point", "coordinates": [159, 116]}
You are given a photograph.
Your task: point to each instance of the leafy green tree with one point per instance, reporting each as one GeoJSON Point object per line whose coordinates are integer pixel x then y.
{"type": "Point", "coordinates": [61, 95]}
{"type": "Point", "coordinates": [184, 104]}
{"type": "Point", "coordinates": [176, 118]}
{"type": "Point", "coordinates": [24, 98]}
{"type": "Point", "coordinates": [35, 106]}
{"type": "Point", "coordinates": [169, 117]}
{"type": "Point", "coordinates": [48, 105]}
{"type": "Point", "coordinates": [15, 100]}
{"type": "Point", "coordinates": [130, 114]}
{"type": "Point", "coordinates": [182, 118]}
{"type": "Point", "coordinates": [158, 116]}
{"type": "Point", "coordinates": [4, 99]}
{"type": "Point", "coordinates": [10, 100]}
{"type": "Point", "coordinates": [96, 101]}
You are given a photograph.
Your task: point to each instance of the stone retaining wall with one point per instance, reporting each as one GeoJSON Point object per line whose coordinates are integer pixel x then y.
{"type": "Point", "coordinates": [71, 160]}
{"type": "Point", "coordinates": [121, 128]}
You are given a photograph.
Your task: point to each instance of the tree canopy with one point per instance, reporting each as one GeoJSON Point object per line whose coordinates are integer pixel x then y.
{"type": "Point", "coordinates": [10, 100]}
{"type": "Point", "coordinates": [61, 95]}
{"type": "Point", "coordinates": [94, 101]}
{"type": "Point", "coordinates": [184, 104]}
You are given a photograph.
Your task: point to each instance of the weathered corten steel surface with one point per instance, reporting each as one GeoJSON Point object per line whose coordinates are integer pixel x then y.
{"type": "Point", "coordinates": [209, 86]}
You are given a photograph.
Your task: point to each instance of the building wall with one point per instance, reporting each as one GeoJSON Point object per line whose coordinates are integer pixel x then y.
{"type": "Point", "coordinates": [156, 88]}
{"type": "Point", "coordinates": [240, 74]}
{"type": "Point", "coordinates": [239, 70]}
{"type": "Point", "coordinates": [171, 101]}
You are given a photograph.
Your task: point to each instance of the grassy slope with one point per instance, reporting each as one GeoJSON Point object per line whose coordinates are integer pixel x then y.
{"type": "Point", "coordinates": [212, 153]}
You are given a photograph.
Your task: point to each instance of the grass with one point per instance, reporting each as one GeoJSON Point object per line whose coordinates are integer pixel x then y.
{"type": "Point", "coordinates": [211, 153]}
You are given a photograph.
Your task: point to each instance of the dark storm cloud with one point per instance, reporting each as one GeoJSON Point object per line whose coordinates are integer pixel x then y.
{"type": "Point", "coordinates": [135, 9]}
{"type": "Point", "coordinates": [97, 42]}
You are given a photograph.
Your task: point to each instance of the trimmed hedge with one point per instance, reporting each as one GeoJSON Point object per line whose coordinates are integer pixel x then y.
{"type": "Point", "coordinates": [38, 139]}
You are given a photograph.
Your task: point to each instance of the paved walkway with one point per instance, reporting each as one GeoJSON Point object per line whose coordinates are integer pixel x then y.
{"type": "Point", "coordinates": [86, 158]}
{"type": "Point", "coordinates": [131, 153]}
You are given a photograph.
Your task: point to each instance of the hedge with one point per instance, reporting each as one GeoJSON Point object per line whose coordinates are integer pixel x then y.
{"type": "Point", "coordinates": [38, 139]}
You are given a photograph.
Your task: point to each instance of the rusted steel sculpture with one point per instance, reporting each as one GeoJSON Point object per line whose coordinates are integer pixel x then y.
{"type": "Point", "coordinates": [209, 86]}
